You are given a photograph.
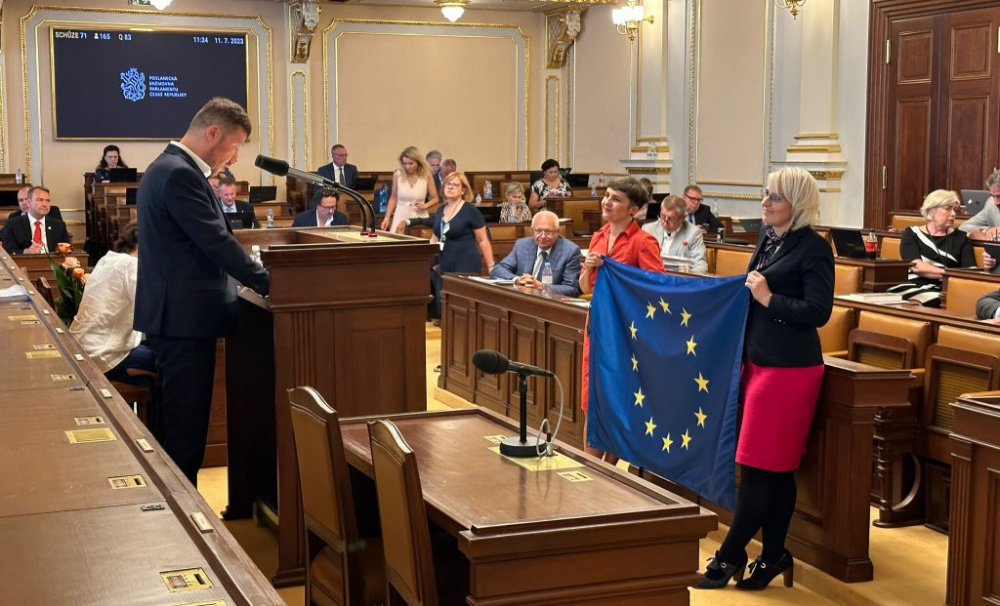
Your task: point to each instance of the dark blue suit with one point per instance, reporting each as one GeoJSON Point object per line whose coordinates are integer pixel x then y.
{"type": "Point", "coordinates": [17, 234]}
{"type": "Point", "coordinates": [308, 219]}
{"type": "Point", "coordinates": [328, 171]}
{"type": "Point", "coordinates": [564, 256]}
{"type": "Point", "coordinates": [186, 296]}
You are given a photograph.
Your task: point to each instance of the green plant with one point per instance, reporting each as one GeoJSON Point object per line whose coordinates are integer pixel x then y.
{"type": "Point", "coordinates": [70, 290]}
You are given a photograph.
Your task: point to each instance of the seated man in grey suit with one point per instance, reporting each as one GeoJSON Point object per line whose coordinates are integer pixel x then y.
{"type": "Point", "coordinates": [985, 225]}
{"type": "Point", "coordinates": [227, 198]}
{"type": "Point", "coordinates": [988, 306]}
{"type": "Point", "coordinates": [326, 212]}
{"type": "Point", "coordinates": [677, 237]}
{"type": "Point", "coordinates": [529, 256]}
{"type": "Point", "coordinates": [35, 232]}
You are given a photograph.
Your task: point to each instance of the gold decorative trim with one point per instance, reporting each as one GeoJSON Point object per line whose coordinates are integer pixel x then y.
{"type": "Point", "coordinates": [305, 115]}
{"type": "Point", "coordinates": [725, 195]}
{"type": "Point", "coordinates": [829, 190]}
{"type": "Point", "coordinates": [660, 149]}
{"type": "Point", "coordinates": [816, 136]}
{"type": "Point", "coordinates": [770, 28]}
{"type": "Point", "coordinates": [3, 122]}
{"type": "Point", "coordinates": [827, 175]}
{"type": "Point", "coordinates": [694, 57]}
{"type": "Point", "coordinates": [806, 149]}
{"type": "Point", "coordinates": [730, 183]}
{"type": "Point", "coordinates": [23, 23]}
{"type": "Point", "coordinates": [648, 170]}
{"type": "Point", "coordinates": [497, 26]}
{"type": "Point", "coordinates": [654, 138]}
{"type": "Point", "coordinates": [558, 97]}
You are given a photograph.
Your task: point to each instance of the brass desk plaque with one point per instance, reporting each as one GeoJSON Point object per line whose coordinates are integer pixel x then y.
{"type": "Point", "coordinates": [122, 482]}
{"type": "Point", "coordinates": [81, 421]}
{"type": "Point", "coordinates": [186, 580]}
{"type": "Point", "coordinates": [86, 436]}
{"type": "Point", "coordinates": [38, 355]}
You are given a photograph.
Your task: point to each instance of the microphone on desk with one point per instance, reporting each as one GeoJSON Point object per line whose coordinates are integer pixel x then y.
{"type": "Point", "coordinates": [281, 169]}
{"type": "Point", "coordinates": [495, 363]}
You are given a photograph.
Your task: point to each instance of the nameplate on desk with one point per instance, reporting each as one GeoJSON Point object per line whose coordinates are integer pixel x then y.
{"type": "Point", "coordinates": [38, 355]}
{"type": "Point", "coordinates": [69, 377]}
{"type": "Point", "coordinates": [144, 445]}
{"type": "Point", "coordinates": [30, 323]}
{"type": "Point", "coordinates": [43, 346]}
{"type": "Point", "coordinates": [87, 436]}
{"type": "Point", "coordinates": [575, 476]}
{"type": "Point", "coordinates": [201, 522]}
{"type": "Point", "coordinates": [79, 357]}
{"type": "Point", "coordinates": [186, 580]}
{"type": "Point", "coordinates": [557, 461]}
{"type": "Point", "coordinates": [23, 317]}
{"type": "Point", "coordinates": [60, 331]}
{"type": "Point", "coordinates": [495, 439]}
{"type": "Point", "coordinates": [81, 421]}
{"type": "Point", "coordinates": [105, 393]}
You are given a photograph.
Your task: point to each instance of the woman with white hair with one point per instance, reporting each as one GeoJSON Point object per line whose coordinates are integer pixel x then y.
{"type": "Point", "coordinates": [791, 281]}
{"type": "Point", "coordinates": [932, 248]}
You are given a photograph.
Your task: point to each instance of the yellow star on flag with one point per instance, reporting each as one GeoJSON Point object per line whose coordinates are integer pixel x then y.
{"type": "Point", "coordinates": [667, 442]}
{"type": "Point", "coordinates": [702, 383]}
{"type": "Point", "coordinates": [635, 363]}
{"type": "Point", "coordinates": [685, 439]}
{"type": "Point", "coordinates": [650, 310]}
{"type": "Point", "coordinates": [639, 397]}
{"type": "Point", "coordinates": [634, 330]}
{"type": "Point", "coordinates": [685, 316]}
{"type": "Point", "coordinates": [650, 426]}
{"type": "Point", "coordinates": [701, 417]}
{"type": "Point", "coordinates": [665, 306]}
{"type": "Point", "coordinates": [691, 345]}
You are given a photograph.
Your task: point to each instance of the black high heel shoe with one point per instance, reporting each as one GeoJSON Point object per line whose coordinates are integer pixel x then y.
{"type": "Point", "coordinates": [718, 572]}
{"type": "Point", "coordinates": [762, 573]}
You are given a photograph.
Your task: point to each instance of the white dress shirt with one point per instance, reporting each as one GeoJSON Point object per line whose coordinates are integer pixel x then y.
{"type": "Point", "coordinates": [103, 324]}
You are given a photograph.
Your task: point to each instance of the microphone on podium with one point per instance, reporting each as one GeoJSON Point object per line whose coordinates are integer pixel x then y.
{"type": "Point", "coordinates": [495, 363]}
{"type": "Point", "coordinates": [281, 169]}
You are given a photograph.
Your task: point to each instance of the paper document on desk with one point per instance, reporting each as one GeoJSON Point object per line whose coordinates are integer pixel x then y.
{"type": "Point", "coordinates": [497, 281]}
{"type": "Point", "coordinates": [876, 298]}
{"type": "Point", "coordinates": [15, 292]}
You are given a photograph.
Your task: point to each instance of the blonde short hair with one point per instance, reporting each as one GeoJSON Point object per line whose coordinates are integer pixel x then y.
{"type": "Point", "coordinates": [414, 154]}
{"type": "Point", "coordinates": [798, 187]}
{"type": "Point", "coordinates": [461, 178]}
{"type": "Point", "coordinates": [937, 199]}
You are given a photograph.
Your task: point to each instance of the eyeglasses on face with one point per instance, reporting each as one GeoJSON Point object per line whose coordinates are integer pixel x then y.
{"type": "Point", "coordinates": [453, 184]}
{"type": "Point", "coordinates": [697, 199]}
{"type": "Point", "coordinates": [328, 209]}
{"type": "Point", "coordinates": [545, 232]}
{"type": "Point", "coordinates": [772, 197]}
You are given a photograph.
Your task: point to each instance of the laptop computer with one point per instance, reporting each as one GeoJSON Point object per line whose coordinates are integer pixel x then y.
{"type": "Point", "coordinates": [364, 183]}
{"type": "Point", "coordinates": [263, 193]}
{"type": "Point", "coordinates": [974, 200]}
{"type": "Point", "coordinates": [849, 243]}
{"type": "Point", "coordinates": [578, 180]}
{"type": "Point", "coordinates": [653, 210]}
{"type": "Point", "coordinates": [8, 197]}
{"type": "Point", "coordinates": [993, 248]}
{"type": "Point", "coordinates": [749, 225]}
{"type": "Point", "coordinates": [491, 214]}
{"type": "Point", "coordinates": [123, 175]}
{"type": "Point", "coordinates": [240, 220]}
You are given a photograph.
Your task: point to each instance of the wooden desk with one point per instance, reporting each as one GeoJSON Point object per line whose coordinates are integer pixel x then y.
{"type": "Point", "coordinates": [973, 566]}
{"type": "Point", "coordinates": [829, 533]}
{"type": "Point", "coordinates": [346, 315]}
{"type": "Point", "coordinates": [38, 265]}
{"type": "Point", "coordinates": [70, 536]}
{"type": "Point", "coordinates": [534, 536]}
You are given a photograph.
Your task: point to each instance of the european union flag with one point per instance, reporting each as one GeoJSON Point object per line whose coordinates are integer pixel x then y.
{"type": "Point", "coordinates": [665, 355]}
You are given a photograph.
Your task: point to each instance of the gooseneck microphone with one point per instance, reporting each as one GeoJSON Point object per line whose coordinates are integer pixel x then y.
{"type": "Point", "coordinates": [281, 169]}
{"type": "Point", "coordinates": [495, 363]}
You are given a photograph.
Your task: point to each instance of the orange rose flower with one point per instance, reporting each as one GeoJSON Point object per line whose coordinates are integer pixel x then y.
{"type": "Point", "coordinates": [78, 272]}
{"type": "Point", "coordinates": [64, 247]}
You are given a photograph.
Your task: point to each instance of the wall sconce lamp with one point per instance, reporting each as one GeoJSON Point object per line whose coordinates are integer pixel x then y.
{"type": "Point", "coordinates": [452, 9]}
{"type": "Point", "coordinates": [791, 5]}
{"type": "Point", "coordinates": [627, 19]}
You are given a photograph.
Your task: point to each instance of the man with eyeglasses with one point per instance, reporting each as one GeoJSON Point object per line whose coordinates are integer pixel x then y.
{"type": "Point", "coordinates": [678, 238]}
{"type": "Point", "coordinates": [325, 214]}
{"type": "Point", "coordinates": [527, 259]}
{"type": "Point", "coordinates": [985, 225]}
{"type": "Point", "coordinates": [338, 170]}
{"type": "Point", "coordinates": [697, 213]}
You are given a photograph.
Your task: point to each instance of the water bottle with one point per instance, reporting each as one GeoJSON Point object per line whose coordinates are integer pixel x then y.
{"type": "Point", "coordinates": [255, 254]}
{"type": "Point", "coordinates": [479, 200]}
{"type": "Point", "coordinates": [488, 190]}
{"type": "Point", "coordinates": [547, 278]}
{"type": "Point", "coordinates": [270, 218]}
{"type": "Point", "coordinates": [18, 177]}
{"type": "Point", "coordinates": [715, 207]}
{"type": "Point", "coordinates": [593, 189]}
{"type": "Point", "coordinates": [651, 151]}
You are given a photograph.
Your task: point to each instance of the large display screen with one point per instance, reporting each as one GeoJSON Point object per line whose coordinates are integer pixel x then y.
{"type": "Point", "coordinates": [126, 84]}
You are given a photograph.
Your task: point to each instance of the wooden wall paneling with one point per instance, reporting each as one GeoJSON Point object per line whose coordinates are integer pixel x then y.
{"type": "Point", "coordinates": [527, 342]}
{"type": "Point", "coordinates": [456, 346]}
{"type": "Point", "coordinates": [565, 358]}
{"type": "Point", "coordinates": [491, 391]}
{"type": "Point", "coordinates": [914, 93]}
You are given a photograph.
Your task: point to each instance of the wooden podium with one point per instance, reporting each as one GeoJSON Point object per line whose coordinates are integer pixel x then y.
{"type": "Point", "coordinates": [346, 315]}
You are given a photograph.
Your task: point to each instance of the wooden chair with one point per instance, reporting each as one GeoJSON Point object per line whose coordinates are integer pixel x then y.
{"type": "Point", "coordinates": [46, 291]}
{"type": "Point", "coordinates": [846, 279]}
{"type": "Point", "coordinates": [342, 568]}
{"type": "Point", "coordinates": [889, 248]}
{"type": "Point", "coordinates": [409, 563]}
{"type": "Point", "coordinates": [573, 209]}
{"type": "Point", "coordinates": [833, 334]}
{"type": "Point", "coordinates": [901, 222]}
{"type": "Point", "coordinates": [961, 293]}
{"type": "Point", "coordinates": [732, 262]}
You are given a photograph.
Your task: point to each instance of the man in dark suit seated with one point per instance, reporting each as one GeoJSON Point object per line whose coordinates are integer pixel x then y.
{"type": "Point", "coordinates": [186, 285]}
{"type": "Point", "coordinates": [338, 171]}
{"type": "Point", "coordinates": [527, 259]}
{"type": "Point", "coordinates": [698, 213]}
{"type": "Point", "coordinates": [229, 203]}
{"type": "Point", "coordinates": [988, 306]}
{"type": "Point", "coordinates": [24, 234]}
{"type": "Point", "coordinates": [325, 215]}
{"type": "Point", "coordinates": [22, 203]}
{"type": "Point", "coordinates": [434, 158]}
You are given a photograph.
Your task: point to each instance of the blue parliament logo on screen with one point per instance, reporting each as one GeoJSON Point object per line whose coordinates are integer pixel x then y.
{"type": "Point", "coordinates": [119, 84]}
{"type": "Point", "coordinates": [133, 85]}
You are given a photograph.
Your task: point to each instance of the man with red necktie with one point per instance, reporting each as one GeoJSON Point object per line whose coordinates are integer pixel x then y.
{"type": "Point", "coordinates": [35, 232]}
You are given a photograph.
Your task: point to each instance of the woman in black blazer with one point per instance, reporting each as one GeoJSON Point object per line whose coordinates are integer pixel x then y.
{"type": "Point", "coordinates": [791, 280]}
